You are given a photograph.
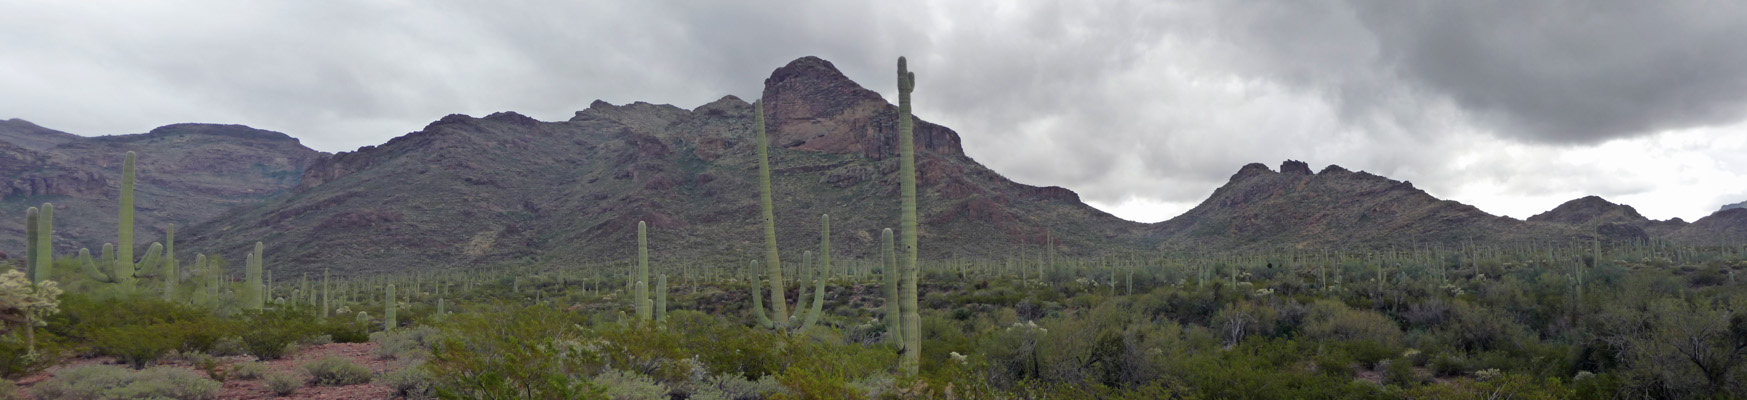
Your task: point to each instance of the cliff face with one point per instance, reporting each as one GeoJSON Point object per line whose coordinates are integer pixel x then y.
{"type": "Point", "coordinates": [187, 173]}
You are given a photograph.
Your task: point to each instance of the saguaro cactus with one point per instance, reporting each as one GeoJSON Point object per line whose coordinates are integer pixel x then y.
{"type": "Point", "coordinates": [32, 246]}
{"type": "Point", "coordinates": [773, 265]}
{"type": "Point", "coordinates": [911, 359]}
{"type": "Point", "coordinates": [388, 305]}
{"type": "Point", "coordinates": [252, 289]}
{"type": "Point", "coordinates": [823, 274]}
{"type": "Point", "coordinates": [757, 298]}
{"type": "Point", "coordinates": [894, 326]}
{"type": "Point", "coordinates": [661, 299]}
{"type": "Point", "coordinates": [124, 271]}
{"type": "Point", "coordinates": [326, 297]}
{"type": "Point", "coordinates": [641, 296]}
{"type": "Point", "coordinates": [171, 275]}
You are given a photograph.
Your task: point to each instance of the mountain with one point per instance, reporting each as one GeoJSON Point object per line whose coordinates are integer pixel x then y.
{"type": "Point", "coordinates": [472, 191]}
{"type": "Point", "coordinates": [1260, 209]}
{"type": "Point", "coordinates": [187, 173]}
{"type": "Point", "coordinates": [1733, 206]}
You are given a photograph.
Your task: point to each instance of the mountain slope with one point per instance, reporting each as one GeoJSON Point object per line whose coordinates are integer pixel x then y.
{"type": "Point", "coordinates": [471, 191]}
{"type": "Point", "coordinates": [187, 173]}
{"type": "Point", "coordinates": [1260, 209]}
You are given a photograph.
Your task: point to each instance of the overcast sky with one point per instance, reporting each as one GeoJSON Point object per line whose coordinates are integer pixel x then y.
{"type": "Point", "coordinates": [1143, 107]}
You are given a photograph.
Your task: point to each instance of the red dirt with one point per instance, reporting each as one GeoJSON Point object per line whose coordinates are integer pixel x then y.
{"type": "Point", "coordinates": [237, 389]}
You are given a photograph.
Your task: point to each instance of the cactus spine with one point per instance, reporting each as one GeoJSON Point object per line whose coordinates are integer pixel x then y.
{"type": "Point", "coordinates": [910, 361]}
{"type": "Point", "coordinates": [641, 296]}
{"type": "Point", "coordinates": [773, 265]}
{"type": "Point", "coordinates": [32, 246]}
{"type": "Point", "coordinates": [124, 247]}
{"type": "Point", "coordinates": [253, 295]}
{"type": "Point", "coordinates": [894, 328]}
{"type": "Point", "coordinates": [388, 306]}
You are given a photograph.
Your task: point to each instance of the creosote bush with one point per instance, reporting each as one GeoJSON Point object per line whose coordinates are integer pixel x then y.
{"type": "Point", "coordinates": [107, 382]}
{"type": "Point", "coordinates": [335, 371]}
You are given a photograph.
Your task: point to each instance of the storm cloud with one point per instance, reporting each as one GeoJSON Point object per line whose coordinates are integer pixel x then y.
{"type": "Point", "coordinates": [1144, 107]}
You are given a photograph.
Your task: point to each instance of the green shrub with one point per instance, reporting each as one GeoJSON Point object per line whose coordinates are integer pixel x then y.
{"type": "Point", "coordinates": [518, 352]}
{"type": "Point", "coordinates": [284, 383]}
{"type": "Point", "coordinates": [15, 360]}
{"type": "Point", "coordinates": [411, 381]}
{"type": "Point", "coordinates": [136, 345]}
{"type": "Point", "coordinates": [229, 346]}
{"type": "Point", "coordinates": [9, 391]}
{"type": "Point", "coordinates": [272, 333]}
{"type": "Point", "coordinates": [248, 371]}
{"type": "Point", "coordinates": [621, 385]}
{"type": "Point", "coordinates": [733, 386]}
{"type": "Point", "coordinates": [107, 382]}
{"type": "Point", "coordinates": [404, 343]}
{"type": "Point", "coordinates": [1400, 372]}
{"type": "Point", "coordinates": [336, 371]}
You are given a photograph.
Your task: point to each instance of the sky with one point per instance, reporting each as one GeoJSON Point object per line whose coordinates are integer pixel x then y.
{"type": "Point", "coordinates": [1142, 107]}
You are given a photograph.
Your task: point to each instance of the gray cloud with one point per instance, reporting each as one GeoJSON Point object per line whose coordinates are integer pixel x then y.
{"type": "Point", "coordinates": [1119, 100]}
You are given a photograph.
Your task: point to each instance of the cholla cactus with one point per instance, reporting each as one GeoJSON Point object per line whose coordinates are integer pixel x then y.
{"type": "Point", "coordinates": [26, 304]}
{"type": "Point", "coordinates": [21, 301]}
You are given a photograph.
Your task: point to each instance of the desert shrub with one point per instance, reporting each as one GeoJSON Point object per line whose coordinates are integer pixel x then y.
{"type": "Point", "coordinates": [1334, 363]}
{"type": "Point", "coordinates": [404, 343]}
{"type": "Point", "coordinates": [272, 333]}
{"type": "Point", "coordinates": [336, 371]}
{"type": "Point", "coordinates": [284, 383]}
{"type": "Point", "coordinates": [136, 345]}
{"type": "Point", "coordinates": [411, 381]}
{"type": "Point", "coordinates": [1330, 320]}
{"type": "Point", "coordinates": [1448, 365]}
{"type": "Point", "coordinates": [512, 352]}
{"type": "Point", "coordinates": [229, 346]}
{"type": "Point", "coordinates": [15, 360]}
{"type": "Point", "coordinates": [106, 382]}
{"type": "Point", "coordinates": [248, 370]}
{"type": "Point", "coordinates": [9, 391]}
{"type": "Point", "coordinates": [732, 387]}
{"type": "Point", "coordinates": [1399, 372]}
{"type": "Point", "coordinates": [621, 385]}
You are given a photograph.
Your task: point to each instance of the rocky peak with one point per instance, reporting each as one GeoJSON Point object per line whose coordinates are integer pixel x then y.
{"type": "Point", "coordinates": [1590, 210]}
{"type": "Point", "coordinates": [1251, 170]}
{"type": "Point", "coordinates": [1295, 167]}
{"type": "Point", "coordinates": [810, 105]}
{"type": "Point", "coordinates": [1733, 206]}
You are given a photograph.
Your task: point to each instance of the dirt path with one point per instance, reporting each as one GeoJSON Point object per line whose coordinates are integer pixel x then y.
{"type": "Point", "coordinates": [237, 389]}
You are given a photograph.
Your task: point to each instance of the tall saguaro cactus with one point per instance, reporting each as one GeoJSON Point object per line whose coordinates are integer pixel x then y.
{"type": "Point", "coordinates": [661, 299]}
{"type": "Point", "coordinates": [819, 278]}
{"type": "Point", "coordinates": [124, 245]}
{"type": "Point", "coordinates": [641, 296]}
{"type": "Point", "coordinates": [911, 358]}
{"type": "Point", "coordinates": [389, 303]}
{"type": "Point", "coordinates": [252, 289]}
{"type": "Point", "coordinates": [773, 265]}
{"type": "Point", "coordinates": [171, 275]}
{"type": "Point", "coordinates": [32, 246]}
{"type": "Point", "coordinates": [894, 326]}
